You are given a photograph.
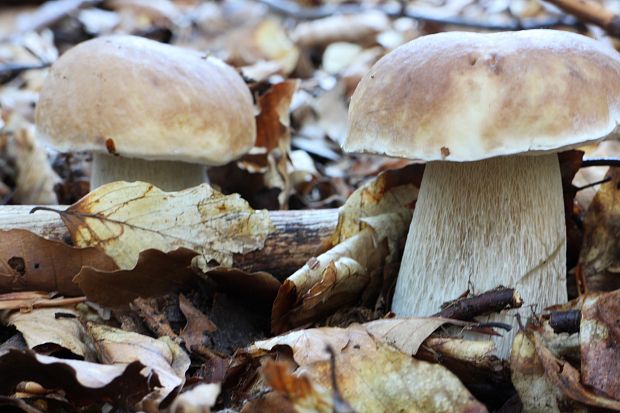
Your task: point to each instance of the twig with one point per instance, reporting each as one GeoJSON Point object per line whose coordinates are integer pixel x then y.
{"type": "Point", "coordinates": [340, 405]}
{"type": "Point", "coordinates": [610, 161]}
{"type": "Point", "coordinates": [488, 302]}
{"type": "Point", "coordinates": [591, 12]}
{"type": "Point", "coordinates": [565, 321]}
{"type": "Point", "coordinates": [590, 185]}
{"type": "Point", "coordinates": [293, 10]}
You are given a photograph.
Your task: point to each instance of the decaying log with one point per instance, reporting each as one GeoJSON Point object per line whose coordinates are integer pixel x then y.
{"type": "Point", "coordinates": [299, 235]}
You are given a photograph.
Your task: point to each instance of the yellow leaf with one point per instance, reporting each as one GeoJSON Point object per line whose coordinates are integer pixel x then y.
{"type": "Point", "coordinates": [124, 219]}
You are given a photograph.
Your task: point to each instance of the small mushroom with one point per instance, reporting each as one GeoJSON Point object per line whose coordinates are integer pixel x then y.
{"type": "Point", "coordinates": [488, 112]}
{"type": "Point", "coordinates": [148, 111]}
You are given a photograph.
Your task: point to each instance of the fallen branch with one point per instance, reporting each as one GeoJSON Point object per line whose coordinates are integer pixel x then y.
{"type": "Point", "coordinates": [291, 9]}
{"type": "Point", "coordinates": [299, 236]}
{"type": "Point", "coordinates": [586, 163]}
{"type": "Point", "coordinates": [591, 12]}
{"type": "Point", "coordinates": [488, 302]}
{"type": "Point", "coordinates": [10, 70]}
{"type": "Point", "coordinates": [565, 321]}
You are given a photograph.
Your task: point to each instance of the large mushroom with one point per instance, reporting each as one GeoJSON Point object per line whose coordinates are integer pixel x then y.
{"type": "Point", "coordinates": [488, 112]}
{"type": "Point", "coordinates": [148, 111]}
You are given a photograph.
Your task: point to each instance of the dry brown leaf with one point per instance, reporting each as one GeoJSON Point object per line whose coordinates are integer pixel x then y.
{"type": "Point", "coordinates": [257, 288]}
{"type": "Point", "coordinates": [299, 391]}
{"type": "Point", "coordinates": [30, 262]}
{"type": "Point", "coordinates": [359, 28]}
{"type": "Point", "coordinates": [546, 383]}
{"type": "Point", "coordinates": [124, 219]}
{"type": "Point", "coordinates": [83, 383]}
{"type": "Point", "coordinates": [27, 300]}
{"type": "Point", "coordinates": [264, 41]}
{"type": "Point", "coordinates": [156, 273]}
{"type": "Point", "coordinates": [197, 324]}
{"type": "Point", "coordinates": [599, 336]}
{"type": "Point", "coordinates": [600, 256]}
{"type": "Point", "coordinates": [199, 399]}
{"type": "Point", "coordinates": [370, 228]}
{"type": "Point", "coordinates": [35, 184]}
{"type": "Point", "coordinates": [407, 334]}
{"type": "Point", "coordinates": [373, 376]}
{"type": "Point", "coordinates": [59, 326]}
{"type": "Point", "coordinates": [166, 358]}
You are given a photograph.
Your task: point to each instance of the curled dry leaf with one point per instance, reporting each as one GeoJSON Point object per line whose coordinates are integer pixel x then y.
{"type": "Point", "coordinates": [359, 28]}
{"type": "Point", "coordinates": [546, 383]}
{"type": "Point", "coordinates": [371, 225]}
{"type": "Point", "coordinates": [124, 219]}
{"type": "Point", "coordinates": [59, 326]}
{"type": "Point", "coordinates": [265, 41]}
{"type": "Point", "coordinates": [600, 256]}
{"type": "Point", "coordinates": [271, 153]}
{"type": "Point", "coordinates": [166, 358]}
{"type": "Point", "coordinates": [599, 337]}
{"type": "Point", "coordinates": [82, 382]}
{"type": "Point", "coordinates": [30, 262]}
{"type": "Point", "coordinates": [199, 399]}
{"type": "Point", "coordinates": [35, 185]}
{"type": "Point", "coordinates": [373, 376]}
{"type": "Point", "coordinates": [156, 273]}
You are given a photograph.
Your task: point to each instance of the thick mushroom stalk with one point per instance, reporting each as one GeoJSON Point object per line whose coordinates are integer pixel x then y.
{"type": "Point", "coordinates": [477, 225]}
{"type": "Point", "coordinates": [167, 175]}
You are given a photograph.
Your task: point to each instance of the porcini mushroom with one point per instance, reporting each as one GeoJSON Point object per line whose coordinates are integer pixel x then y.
{"type": "Point", "coordinates": [488, 112]}
{"type": "Point", "coordinates": [148, 111]}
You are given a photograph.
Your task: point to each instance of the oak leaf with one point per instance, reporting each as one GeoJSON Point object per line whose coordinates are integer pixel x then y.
{"type": "Point", "coordinates": [124, 219]}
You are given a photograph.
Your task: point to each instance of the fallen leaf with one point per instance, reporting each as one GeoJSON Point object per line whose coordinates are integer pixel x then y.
{"type": "Point", "coordinates": [82, 382]}
{"type": "Point", "coordinates": [599, 336]}
{"type": "Point", "coordinates": [600, 256]}
{"type": "Point", "coordinates": [264, 41]}
{"type": "Point", "coordinates": [163, 356]}
{"type": "Point", "coordinates": [372, 376]}
{"type": "Point", "coordinates": [60, 326]}
{"type": "Point", "coordinates": [256, 288]}
{"type": "Point", "coordinates": [156, 273]}
{"type": "Point", "coordinates": [30, 262]}
{"type": "Point", "coordinates": [199, 399]}
{"type": "Point", "coordinates": [361, 28]}
{"type": "Point", "coordinates": [371, 226]}
{"type": "Point", "coordinates": [546, 383]}
{"type": "Point", "coordinates": [407, 334]}
{"type": "Point", "coordinates": [35, 185]}
{"type": "Point", "coordinates": [124, 219]}
{"type": "Point", "coordinates": [299, 392]}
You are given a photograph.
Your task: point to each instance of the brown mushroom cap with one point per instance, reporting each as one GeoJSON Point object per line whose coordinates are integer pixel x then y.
{"type": "Point", "coordinates": [143, 99]}
{"type": "Point", "coordinates": [467, 96]}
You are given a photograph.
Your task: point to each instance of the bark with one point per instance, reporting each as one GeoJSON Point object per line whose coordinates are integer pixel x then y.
{"type": "Point", "coordinates": [299, 236]}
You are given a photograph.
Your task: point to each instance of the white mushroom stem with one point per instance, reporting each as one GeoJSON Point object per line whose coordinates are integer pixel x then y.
{"type": "Point", "coordinates": [477, 225]}
{"type": "Point", "coordinates": [167, 175]}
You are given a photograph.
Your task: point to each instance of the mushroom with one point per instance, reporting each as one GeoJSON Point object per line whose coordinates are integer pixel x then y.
{"type": "Point", "coordinates": [149, 111]}
{"type": "Point", "coordinates": [488, 112]}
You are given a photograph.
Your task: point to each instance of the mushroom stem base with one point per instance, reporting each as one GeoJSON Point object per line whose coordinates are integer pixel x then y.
{"type": "Point", "coordinates": [169, 176]}
{"type": "Point", "coordinates": [481, 224]}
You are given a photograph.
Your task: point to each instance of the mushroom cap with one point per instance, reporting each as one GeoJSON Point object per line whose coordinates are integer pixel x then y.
{"type": "Point", "coordinates": [467, 96]}
{"type": "Point", "coordinates": [143, 99]}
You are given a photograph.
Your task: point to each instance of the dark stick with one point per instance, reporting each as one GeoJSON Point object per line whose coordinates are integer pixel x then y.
{"type": "Point", "coordinates": [565, 321]}
{"type": "Point", "coordinates": [586, 163]}
{"type": "Point", "coordinates": [488, 302]}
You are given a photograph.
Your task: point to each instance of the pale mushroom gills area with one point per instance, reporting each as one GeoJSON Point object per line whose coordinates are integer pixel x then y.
{"type": "Point", "coordinates": [481, 224]}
